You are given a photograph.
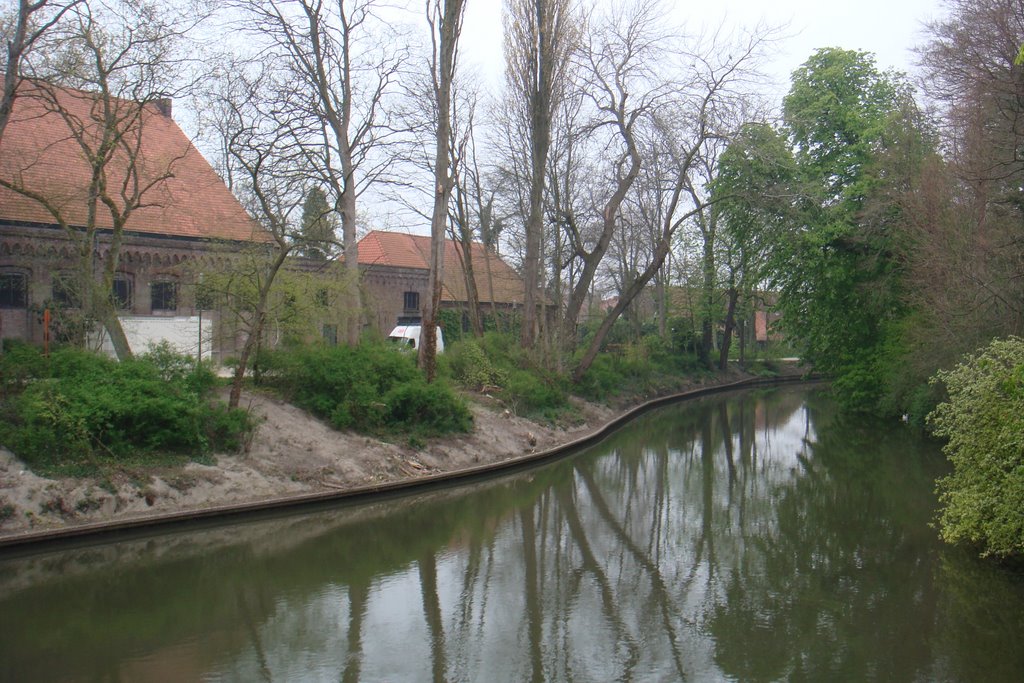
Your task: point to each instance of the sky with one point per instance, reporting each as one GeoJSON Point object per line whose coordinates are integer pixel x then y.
{"type": "Point", "coordinates": [888, 28]}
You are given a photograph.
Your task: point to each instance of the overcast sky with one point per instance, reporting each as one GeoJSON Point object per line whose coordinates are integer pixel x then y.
{"type": "Point", "coordinates": [888, 28]}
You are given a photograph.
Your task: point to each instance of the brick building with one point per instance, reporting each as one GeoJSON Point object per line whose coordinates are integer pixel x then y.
{"type": "Point", "coordinates": [187, 216]}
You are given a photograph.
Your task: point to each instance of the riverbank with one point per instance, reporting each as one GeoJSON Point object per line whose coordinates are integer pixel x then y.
{"type": "Point", "coordinates": [290, 455]}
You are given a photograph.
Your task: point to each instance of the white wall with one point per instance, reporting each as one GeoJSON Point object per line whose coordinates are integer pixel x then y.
{"type": "Point", "coordinates": [182, 332]}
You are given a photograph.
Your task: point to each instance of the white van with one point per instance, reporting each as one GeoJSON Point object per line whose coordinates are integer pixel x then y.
{"type": "Point", "coordinates": [409, 335]}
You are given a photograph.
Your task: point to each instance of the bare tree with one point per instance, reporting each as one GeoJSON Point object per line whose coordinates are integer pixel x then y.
{"type": "Point", "coordinates": [539, 37]}
{"type": "Point", "coordinates": [466, 202]}
{"type": "Point", "coordinates": [445, 20]}
{"type": "Point", "coordinates": [685, 120]}
{"type": "Point", "coordinates": [616, 65]}
{"type": "Point", "coordinates": [342, 60]}
{"type": "Point", "coordinates": [107, 75]}
{"type": "Point", "coordinates": [270, 174]}
{"type": "Point", "coordinates": [27, 27]}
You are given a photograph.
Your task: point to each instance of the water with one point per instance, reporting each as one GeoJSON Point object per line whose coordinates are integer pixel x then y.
{"type": "Point", "coordinates": [757, 537]}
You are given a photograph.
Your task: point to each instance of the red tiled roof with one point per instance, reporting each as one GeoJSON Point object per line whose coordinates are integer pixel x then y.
{"type": "Point", "coordinates": [39, 151]}
{"type": "Point", "coordinates": [413, 251]}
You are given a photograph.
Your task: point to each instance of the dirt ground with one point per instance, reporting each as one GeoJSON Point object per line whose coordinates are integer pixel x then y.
{"type": "Point", "coordinates": [291, 453]}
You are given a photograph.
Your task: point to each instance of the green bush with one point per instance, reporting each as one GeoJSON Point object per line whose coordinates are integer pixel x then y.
{"type": "Point", "coordinates": [470, 366]}
{"type": "Point", "coordinates": [372, 388]}
{"type": "Point", "coordinates": [533, 393]}
{"type": "Point", "coordinates": [650, 366]}
{"type": "Point", "coordinates": [427, 409]}
{"type": "Point", "coordinates": [19, 363]}
{"type": "Point", "coordinates": [602, 380]}
{"type": "Point", "coordinates": [983, 421]}
{"type": "Point", "coordinates": [498, 361]}
{"type": "Point", "coordinates": [81, 408]}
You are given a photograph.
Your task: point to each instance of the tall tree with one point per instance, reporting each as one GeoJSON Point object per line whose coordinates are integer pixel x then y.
{"type": "Point", "coordinates": [840, 275]}
{"type": "Point", "coordinates": [754, 192]}
{"type": "Point", "coordinates": [270, 182]}
{"type": "Point", "coordinates": [340, 61]}
{"type": "Point", "coordinates": [618, 78]}
{"type": "Point", "coordinates": [445, 20]}
{"type": "Point", "coordinates": [685, 121]}
{"type": "Point", "coordinates": [539, 37]}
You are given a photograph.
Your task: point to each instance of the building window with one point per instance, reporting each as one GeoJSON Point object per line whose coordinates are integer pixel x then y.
{"type": "Point", "coordinates": [412, 301]}
{"type": "Point", "coordinates": [65, 291]}
{"type": "Point", "coordinates": [164, 296]}
{"type": "Point", "coordinates": [122, 291]}
{"type": "Point", "coordinates": [331, 335]}
{"type": "Point", "coordinates": [322, 298]}
{"type": "Point", "coordinates": [13, 290]}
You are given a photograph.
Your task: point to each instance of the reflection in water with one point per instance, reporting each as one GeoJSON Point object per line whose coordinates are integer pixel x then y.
{"type": "Point", "coordinates": [756, 538]}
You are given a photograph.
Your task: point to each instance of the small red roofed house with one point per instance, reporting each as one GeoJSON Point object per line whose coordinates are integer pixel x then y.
{"type": "Point", "coordinates": [395, 267]}
{"type": "Point", "coordinates": [185, 215]}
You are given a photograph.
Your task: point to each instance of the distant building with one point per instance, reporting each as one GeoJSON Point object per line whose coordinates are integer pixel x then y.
{"type": "Point", "coordinates": [395, 268]}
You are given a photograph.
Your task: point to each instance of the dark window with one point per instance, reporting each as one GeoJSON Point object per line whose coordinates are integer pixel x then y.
{"type": "Point", "coordinates": [13, 290]}
{"type": "Point", "coordinates": [412, 301]}
{"type": "Point", "coordinates": [331, 335]}
{"type": "Point", "coordinates": [164, 296]}
{"type": "Point", "coordinates": [122, 291]}
{"type": "Point", "coordinates": [65, 291]}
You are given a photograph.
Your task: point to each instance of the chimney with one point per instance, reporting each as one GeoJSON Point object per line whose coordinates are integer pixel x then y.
{"type": "Point", "coordinates": [163, 105]}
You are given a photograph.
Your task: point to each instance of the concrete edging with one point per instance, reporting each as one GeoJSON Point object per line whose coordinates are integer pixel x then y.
{"type": "Point", "coordinates": [98, 530]}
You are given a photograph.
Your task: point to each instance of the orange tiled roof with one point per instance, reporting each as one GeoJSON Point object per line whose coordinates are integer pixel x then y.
{"type": "Point", "coordinates": [39, 151]}
{"type": "Point", "coordinates": [413, 251]}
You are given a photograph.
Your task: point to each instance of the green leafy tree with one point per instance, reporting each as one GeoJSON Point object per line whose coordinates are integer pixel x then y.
{"type": "Point", "coordinates": [754, 195]}
{"type": "Point", "coordinates": [983, 420]}
{"type": "Point", "coordinates": [838, 266]}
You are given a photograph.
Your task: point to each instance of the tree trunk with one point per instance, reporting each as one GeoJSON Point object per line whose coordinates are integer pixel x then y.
{"type": "Point", "coordinates": [256, 331]}
{"type": "Point", "coordinates": [235, 396]}
{"type": "Point", "coordinates": [444, 73]}
{"type": "Point", "coordinates": [353, 320]}
{"type": "Point", "coordinates": [707, 297]}
{"type": "Point", "coordinates": [118, 339]}
{"type": "Point", "coordinates": [625, 298]}
{"type": "Point", "coordinates": [730, 323]}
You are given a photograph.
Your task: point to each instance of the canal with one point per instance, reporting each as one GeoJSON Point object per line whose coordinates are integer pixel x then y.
{"type": "Point", "coordinates": [756, 536]}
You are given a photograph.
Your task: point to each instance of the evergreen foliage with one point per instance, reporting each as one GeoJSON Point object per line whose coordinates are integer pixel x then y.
{"type": "Point", "coordinates": [319, 223]}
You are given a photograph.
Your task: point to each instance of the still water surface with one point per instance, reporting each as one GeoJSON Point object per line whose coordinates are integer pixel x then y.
{"type": "Point", "coordinates": [755, 537]}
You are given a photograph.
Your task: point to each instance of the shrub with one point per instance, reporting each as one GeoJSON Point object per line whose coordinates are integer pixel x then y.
{"type": "Point", "coordinates": [497, 360]}
{"type": "Point", "coordinates": [372, 388]}
{"type": "Point", "coordinates": [470, 366]}
{"type": "Point", "coordinates": [19, 363]}
{"type": "Point", "coordinates": [81, 407]}
{"type": "Point", "coordinates": [427, 409]}
{"type": "Point", "coordinates": [534, 393]}
{"type": "Point", "coordinates": [983, 420]}
{"type": "Point", "coordinates": [602, 380]}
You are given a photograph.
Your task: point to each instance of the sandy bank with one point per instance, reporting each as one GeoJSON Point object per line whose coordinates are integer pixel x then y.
{"type": "Point", "coordinates": [291, 454]}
